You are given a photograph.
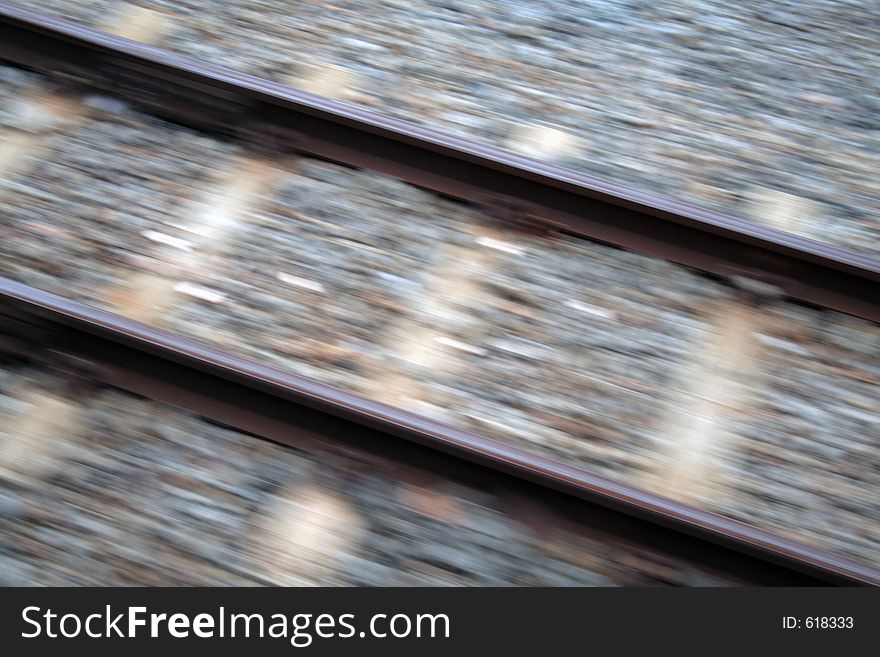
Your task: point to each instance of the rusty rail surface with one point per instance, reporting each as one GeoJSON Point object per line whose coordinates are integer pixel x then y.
{"type": "Point", "coordinates": [96, 345]}
{"type": "Point", "coordinates": [512, 187]}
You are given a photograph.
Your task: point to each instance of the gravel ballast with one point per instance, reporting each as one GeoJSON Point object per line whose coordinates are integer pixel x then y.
{"type": "Point", "coordinates": [321, 269]}
{"type": "Point", "coordinates": [804, 457]}
{"type": "Point", "coordinates": [92, 208]}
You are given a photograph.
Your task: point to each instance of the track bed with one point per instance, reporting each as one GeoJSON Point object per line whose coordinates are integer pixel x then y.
{"type": "Point", "coordinates": [619, 364]}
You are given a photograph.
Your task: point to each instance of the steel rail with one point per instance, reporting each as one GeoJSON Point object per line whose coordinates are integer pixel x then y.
{"type": "Point", "coordinates": [153, 362]}
{"type": "Point", "coordinates": [511, 186]}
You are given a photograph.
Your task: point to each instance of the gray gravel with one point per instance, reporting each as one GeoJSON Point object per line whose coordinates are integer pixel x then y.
{"type": "Point", "coordinates": [703, 100]}
{"type": "Point", "coordinates": [153, 496]}
{"type": "Point", "coordinates": [324, 266]}
{"type": "Point", "coordinates": [82, 215]}
{"type": "Point", "coordinates": [805, 460]}
{"type": "Point", "coordinates": [15, 83]}
{"type": "Point", "coordinates": [573, 353]}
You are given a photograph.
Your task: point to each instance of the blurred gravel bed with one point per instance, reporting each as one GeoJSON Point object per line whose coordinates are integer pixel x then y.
{"type": "Point", "coordinates": [153, 496]}
{"type": "Point", "coordinates": [702, 100]}
{"type": "Point", "coordinates": [15, 83]}
{"type": "Point", "coordinates": [574, 352]}
{"type": "Point", "coordinates": [807, 456]}
{"type": "Point", "coordinates": [322, 267]}
{"type": "Point", "coordinates": [83, 214]}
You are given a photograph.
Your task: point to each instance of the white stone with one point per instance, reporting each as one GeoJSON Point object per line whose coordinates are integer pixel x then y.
{"type": "Point", "coordinates": [455, 344]}
{"type": "Point", "coordinates": [592, 310]}
{"type": "Point", "coordinates": [306, 283]}
{"type": "Point", "coordinates": [168, 240]}
{"type": "Point", "coordinates": [200, 292]}
{"type": "Point", "coordinates": [499, 245]}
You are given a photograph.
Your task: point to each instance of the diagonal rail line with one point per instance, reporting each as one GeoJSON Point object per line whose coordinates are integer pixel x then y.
{"type": "Point", "coordinates": [156, 363]}
{"type": "Point", "coordinates": [512, 186]}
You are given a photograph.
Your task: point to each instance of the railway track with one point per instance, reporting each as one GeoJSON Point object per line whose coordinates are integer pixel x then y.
{"type": "Point", "coordinates": [763, 264]}
{"type": "Point", "coordinates": [662, 542]}
{"type": "Point", "coordinates": [513, 186]}
{"type": "Point", "coordinates": [706, 120]}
